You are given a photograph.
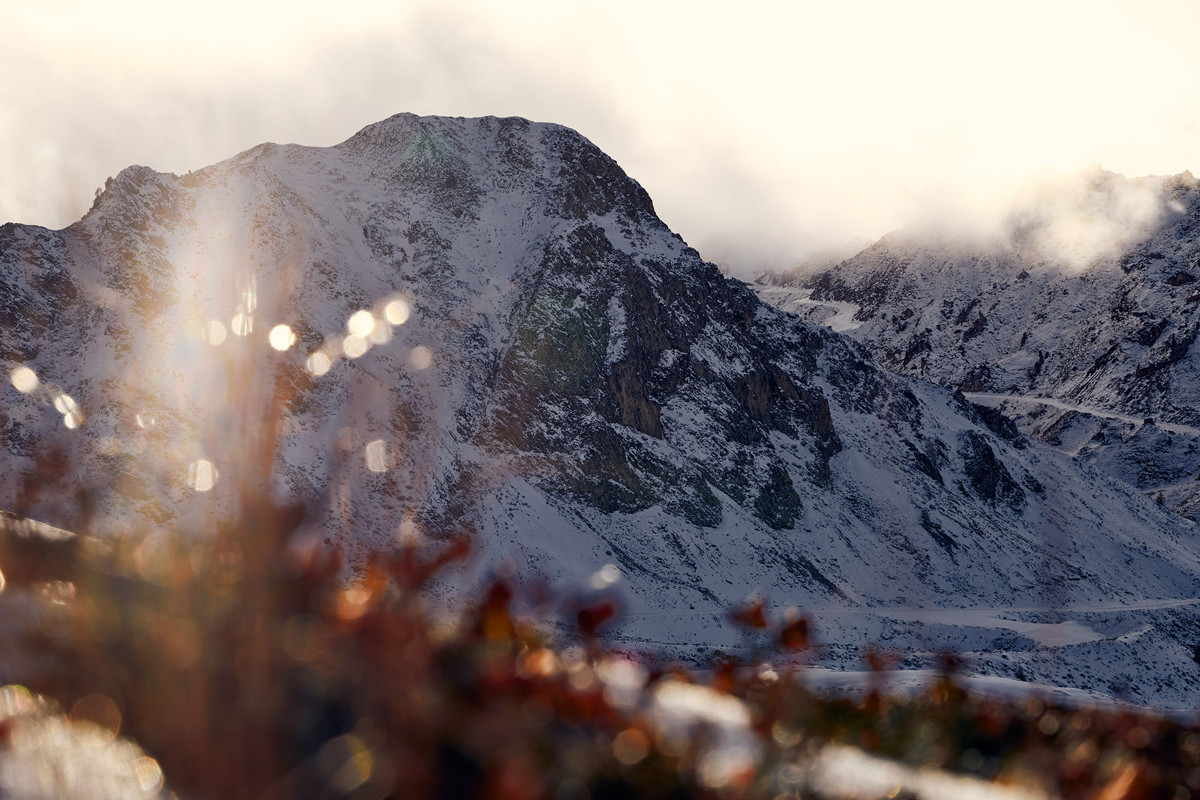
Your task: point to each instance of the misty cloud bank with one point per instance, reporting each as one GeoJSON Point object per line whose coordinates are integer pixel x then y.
{"type": "Point", "coordinates": [761, 137]}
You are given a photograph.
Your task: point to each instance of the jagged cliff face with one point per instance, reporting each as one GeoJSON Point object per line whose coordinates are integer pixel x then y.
{"type": "Point", "coordinates": [541, 362]}
{"type": "Point", "coordinates": [1015, 314]}
{"type": "Point", "coordinates": [1104, 327]}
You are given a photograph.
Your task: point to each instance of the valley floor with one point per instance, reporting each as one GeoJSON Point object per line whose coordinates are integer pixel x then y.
{"type": "Point", "coordinates": [1087, 652]}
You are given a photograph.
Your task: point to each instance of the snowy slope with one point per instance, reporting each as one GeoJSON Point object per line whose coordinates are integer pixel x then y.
{"type": "Point", "coordinates": [544, 364]}
{"type": "Point", "coordinates": [1083, 308]}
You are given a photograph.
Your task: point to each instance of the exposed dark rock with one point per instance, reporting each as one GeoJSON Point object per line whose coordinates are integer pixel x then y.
{"type": "Point", "coordinates": [994, 420]}
{"type": "Point", "coordinates": [943, 539]}
{"type": "Point", "coordinates": [966, 312]}
{"type": "Point", "coordinates": [777, 504]}
{"type": "Point", "coordinates": [975, 329]}
{"type": "Point", "coordinates": [925, 464]}
{"type": "Point", "coordinates": [986, 474]}
{"type": "Point", "coordinates": [977, 379]}
{"type": "Point", "coordinates": [1148, 334]}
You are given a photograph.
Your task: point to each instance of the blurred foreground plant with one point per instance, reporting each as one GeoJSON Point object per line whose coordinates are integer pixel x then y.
{"type": "Point", "coordinates": [249, 668]}
{"type": "Point", "coordinates": [246, 667]}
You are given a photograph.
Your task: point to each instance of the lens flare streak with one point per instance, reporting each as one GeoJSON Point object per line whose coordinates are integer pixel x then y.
{"type": "Point", "coordinates": [242, 324]}
{"type": "Point", "coordinates": [376, 456]}
{"type": "Point", "coordinates": [24, 379]}
{"type": "Point", "coordinates": [202, 475]}
{"type": "Point", "coordinates": [214, 332]}
{"type": "Point", "coordinates": [397, 311]}
{"type": "Point", "coordinates": [360, 324]}
{"type": "Point", "coordinates": [421, 357]}
{"type": "Point", "coordinates": [318, 364]}
{"type": "Point", "coordinates": [355, 346]}
{"type": "Point", "coordinates": [281, 337]}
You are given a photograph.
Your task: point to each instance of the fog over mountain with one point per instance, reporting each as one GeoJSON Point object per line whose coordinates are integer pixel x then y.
{"type": "Point", "coordinates": [490, 331]}
{"type": "Point", "coordinates": [1075, 313]}
{"type": "Point", "coordinates": [763, 134]}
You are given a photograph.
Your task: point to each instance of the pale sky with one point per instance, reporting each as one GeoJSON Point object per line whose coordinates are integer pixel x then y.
{"type": "Point", "coordinates": [762, 130]}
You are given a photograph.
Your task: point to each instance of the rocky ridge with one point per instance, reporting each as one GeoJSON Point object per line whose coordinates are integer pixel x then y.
{"type": "Point", "coordinates": [1077, 318]}
{"type": "Point", "coordinates": [490, 330]}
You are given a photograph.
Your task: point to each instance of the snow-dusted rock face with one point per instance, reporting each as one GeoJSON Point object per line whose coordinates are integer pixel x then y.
{"type": "Point", "coordinates": [1084, 308]}
{"type": "Point", "coordinates": [543, 363]}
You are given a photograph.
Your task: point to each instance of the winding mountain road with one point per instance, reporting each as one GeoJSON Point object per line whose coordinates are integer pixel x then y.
{"type": "Point", "coordinates": [997, 399]}
{"type": "Point", "coordinates": [789, 299]}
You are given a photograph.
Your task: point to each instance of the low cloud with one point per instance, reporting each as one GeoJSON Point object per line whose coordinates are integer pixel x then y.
{"type": "Point", "coordinates": [757, 150]}
{"type": "Point", "coordinates": [1095, 216]}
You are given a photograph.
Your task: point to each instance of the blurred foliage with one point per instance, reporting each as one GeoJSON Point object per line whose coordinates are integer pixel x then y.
{"type": "Point", "coordinates": [247, 665]}
{"type": "Point", "coordinates": [251, 668]}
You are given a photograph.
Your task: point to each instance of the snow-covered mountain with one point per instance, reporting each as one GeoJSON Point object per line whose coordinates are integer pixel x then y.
{"type": "Point", "coordinates": [1077, 317]}
{"type": "Point", "coordinates": [490, 329]}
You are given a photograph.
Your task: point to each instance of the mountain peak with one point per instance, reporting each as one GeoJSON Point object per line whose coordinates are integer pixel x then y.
{"type": "Point", "coordinates": [586, 181]}
{"type": "Point", "coordinates": [488, 328]}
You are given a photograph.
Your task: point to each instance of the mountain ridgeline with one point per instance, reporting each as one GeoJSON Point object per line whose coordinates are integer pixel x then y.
{"type": "Point", "coordinates": [490, 330]}
{"type": "Point", "coordinates": [1079, 317]}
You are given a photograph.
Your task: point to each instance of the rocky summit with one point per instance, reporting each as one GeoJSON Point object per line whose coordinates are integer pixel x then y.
{"type": "Point", "coordinates": [480, 325]}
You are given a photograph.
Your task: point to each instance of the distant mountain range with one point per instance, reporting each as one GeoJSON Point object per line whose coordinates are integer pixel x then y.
{"type": "Point", "coordinates": [1077, 317]}
{"type": "Point", "coordinates": [489, 330]}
